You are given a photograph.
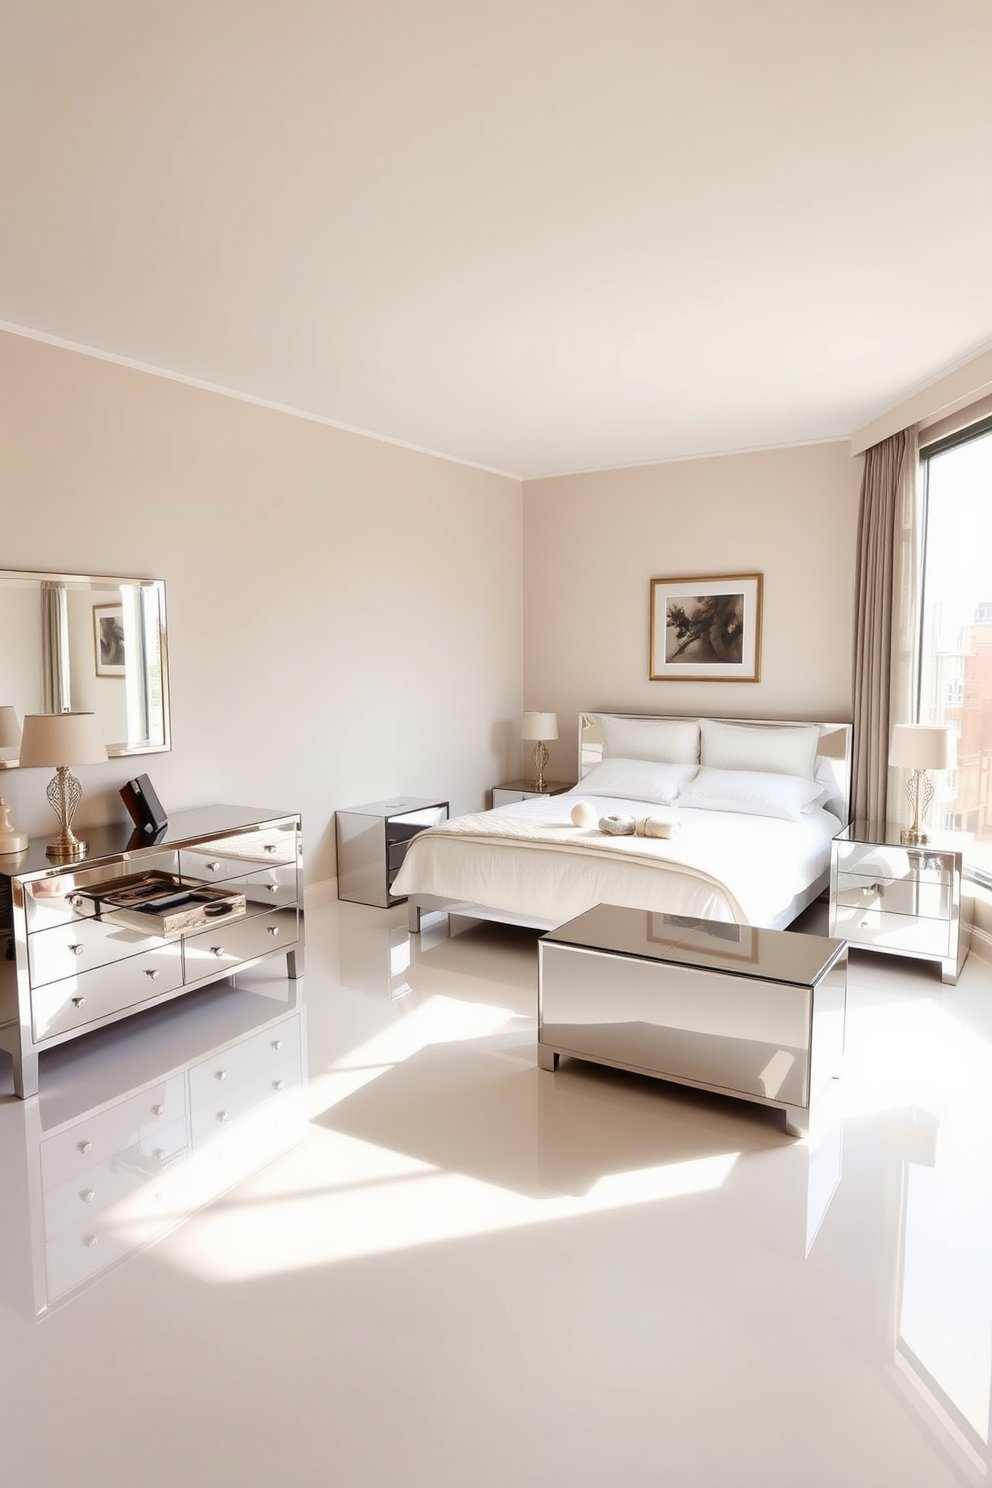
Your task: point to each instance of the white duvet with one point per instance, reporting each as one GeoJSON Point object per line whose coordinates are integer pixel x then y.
{"type": "Point", "coordinates": [529, 860]}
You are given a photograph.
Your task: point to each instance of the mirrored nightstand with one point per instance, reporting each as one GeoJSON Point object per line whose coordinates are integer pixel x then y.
{"type": "Point", "coordinates": [902, 900]}
{"type": "Point", "coordinates": [523, 790]}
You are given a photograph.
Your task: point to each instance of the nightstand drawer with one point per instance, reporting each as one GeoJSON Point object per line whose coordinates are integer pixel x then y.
{"type": "Point", "coordinates": [872, 860]}
{"type": "Point", "coordinates": [891, 932]}
{"type": "Point", "coordinates": [905, 896]}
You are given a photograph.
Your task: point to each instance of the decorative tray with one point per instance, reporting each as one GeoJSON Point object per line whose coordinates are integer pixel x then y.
{"type": "Point", "coordinates": [161, 904]}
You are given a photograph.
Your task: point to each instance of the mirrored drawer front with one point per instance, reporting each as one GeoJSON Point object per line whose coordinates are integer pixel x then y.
{"type": "Point", "coordinates": [872, 861]}
{"type": "Point", "coordinates": [229, 1152]}
{"type": "Point", "coordinates": [893, 932]}
{"type": "Point", "coordinates": [54, 901]}
{"type": "Point", "coordinates": [89, 1194]}
{"type": "Point", "coordinates": [908, 896]}
{"type": "Point", "coordinates": [258, 1055]}
{"type": "Point", "coordinates": [67, 950]}
{"type": "Point", "coordinates": [212, 952]}
{"type": "Point", "coordinates": [137, 1121]}
{"type": "Point", "coordinates": [59, 1007]}
{"type": "Point", "coordinates": [242, 854]}
{"type": "Point", "coordinates": [82, 1252]}
{"type": "Point", "coordinates": [234, 1105]}
{"type": "Point", "coordinates": [271, 887]}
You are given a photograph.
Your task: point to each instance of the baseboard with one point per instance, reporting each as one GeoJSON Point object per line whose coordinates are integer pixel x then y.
{"type": "Point", "coordinates": [322, 892]}
{"type": "Point", "coordinates": [981, 944]}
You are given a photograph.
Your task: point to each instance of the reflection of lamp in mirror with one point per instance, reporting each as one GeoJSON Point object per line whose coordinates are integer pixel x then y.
{"type": "Point", "coordinates": [539, 726]}
{"type": "Point", "coordinates": [52, 739]}
{"type": "Point", "coordinates": [920, 748]}
{"type": "Point", "coordinates": [10, 731]}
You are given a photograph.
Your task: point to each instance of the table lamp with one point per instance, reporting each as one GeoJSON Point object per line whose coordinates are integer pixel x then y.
{"type": "Point", "coordinates": [539, 726]}
{"type": "Point", "coordinates": [52, 739]}
{"type": "Point", "coordinates": [920, 748]}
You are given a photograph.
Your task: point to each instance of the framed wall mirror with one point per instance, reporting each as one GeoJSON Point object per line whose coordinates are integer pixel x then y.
{"type": "Point", "coordinates": [90, 644]}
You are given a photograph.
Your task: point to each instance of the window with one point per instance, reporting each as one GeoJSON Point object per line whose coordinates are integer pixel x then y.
{"type": "Point", "coordinates": [955, 673]}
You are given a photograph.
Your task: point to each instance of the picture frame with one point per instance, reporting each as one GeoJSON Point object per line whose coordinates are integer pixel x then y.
{"type": "Point", "coordinates": [706, 629]}
{"type": "Point", "coordinates": [108, 640]}
{"type": "Point", "coordinates": [736, 942]}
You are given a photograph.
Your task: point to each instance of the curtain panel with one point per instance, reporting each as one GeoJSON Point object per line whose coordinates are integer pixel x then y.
{"type": "Point", "coordinates": [886, 616]}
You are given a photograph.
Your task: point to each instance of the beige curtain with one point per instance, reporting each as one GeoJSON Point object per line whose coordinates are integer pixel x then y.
{"type": "Point", "coordinates": [55, 647]}
{"type": "Point", "coordinates": [886, 616]}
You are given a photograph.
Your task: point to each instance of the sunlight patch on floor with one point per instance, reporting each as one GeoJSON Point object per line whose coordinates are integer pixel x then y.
{"type": "Point", "coordinates": [291, 1218]}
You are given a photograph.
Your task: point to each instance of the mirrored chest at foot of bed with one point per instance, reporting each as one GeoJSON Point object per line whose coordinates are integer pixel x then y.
{"type": "Point", "coordinates": [752, 1013]}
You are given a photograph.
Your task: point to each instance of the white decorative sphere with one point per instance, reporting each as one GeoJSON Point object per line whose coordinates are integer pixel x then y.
{"type": "Point", "coordinates": [583, 815]}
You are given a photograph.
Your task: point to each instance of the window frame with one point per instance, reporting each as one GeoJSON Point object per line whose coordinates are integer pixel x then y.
{"type": "Point", "coordinates": [927, 451]}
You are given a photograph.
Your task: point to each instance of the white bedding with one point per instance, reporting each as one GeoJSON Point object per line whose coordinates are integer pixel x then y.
{"type": "Point", "coordinates": [721, 865]}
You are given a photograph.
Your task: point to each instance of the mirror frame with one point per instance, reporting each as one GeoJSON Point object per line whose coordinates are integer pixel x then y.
{"type": "Point", "coordinates": [104, 582]}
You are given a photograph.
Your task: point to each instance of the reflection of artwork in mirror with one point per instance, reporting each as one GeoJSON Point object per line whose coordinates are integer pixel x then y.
{"type": "Point", "coordinates": [62, 635]}
{"type": "Point", "coordinates": [108, 640]}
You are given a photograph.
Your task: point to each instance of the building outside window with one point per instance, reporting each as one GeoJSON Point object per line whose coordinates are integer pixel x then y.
{"type": "Point", "coordinates": [955, 675]}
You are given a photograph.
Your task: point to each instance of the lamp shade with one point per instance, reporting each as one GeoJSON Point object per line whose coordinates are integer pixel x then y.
{"type": "Point", "coordinates": [10, 729]}
{"type": "Point", "coordinates": [918, 746]}
{"type": "Point", "coordinates": [539, 726]}
{"type": "Point", "coordinates": [61, 739]}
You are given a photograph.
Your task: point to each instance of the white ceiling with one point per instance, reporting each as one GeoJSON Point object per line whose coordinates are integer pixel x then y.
{"type": "Point", "coordinates": [535, 235]}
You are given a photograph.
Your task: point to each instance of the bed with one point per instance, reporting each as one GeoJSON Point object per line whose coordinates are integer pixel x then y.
{"type": "Point", "coordinates": [745, 812]}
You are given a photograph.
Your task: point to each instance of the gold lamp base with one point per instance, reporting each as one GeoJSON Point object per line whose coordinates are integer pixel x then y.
{"type": "Point", "coordinates": [64, 795]}
{"type": "Point", "coordinates": [919, 793]}
{"type": "Point", "coordinates": [540, 756]}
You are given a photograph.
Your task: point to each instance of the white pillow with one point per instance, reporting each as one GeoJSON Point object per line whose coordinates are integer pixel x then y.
{"type": "Point", "coordinates": [635, 780]}
{"type": "Point", "coordinates": [674, 741]}
{"type": "Point", "coordinates": [755, 792]}
{"type": "Point", "coordinates": [751, 746]}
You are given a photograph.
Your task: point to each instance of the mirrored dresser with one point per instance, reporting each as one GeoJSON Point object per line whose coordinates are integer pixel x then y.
{"type": "Point", "coordinates": [140, 921]}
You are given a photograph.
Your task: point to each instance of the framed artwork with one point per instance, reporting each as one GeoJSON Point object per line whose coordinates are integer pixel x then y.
{"type": "Point", "coordinates": [108, 639]}
{"type": "Point", "coordinates": [706, 630]}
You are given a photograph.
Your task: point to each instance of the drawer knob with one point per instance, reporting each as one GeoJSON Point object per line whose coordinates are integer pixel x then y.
{"type": "Point", "coordinates": [220, 1074]}
{"type": "Point", "coordinates": [276, 1084]}
{"type": "Point", "coordinates": [76, 900]}
{"type": "Point", "coordinates": [272, 888]}
{"type": "Point", "coordinates": [223, 1116]}
{"type": "Point", "coordinates": [270, 847]}
{"type": "Point", "coordinates": [84, 1147]}
{"type": "Point", "coordinates": [277, 1043]}
{"type": "Point", "coordinates": [158, 1154]}
{"type": "Point", "coordinates": [89, 1241]}
{"type": "Point", "coordinates": [87, 1195]}
{"type": "Point", "coordinates": [77, 950]}
{"type": "Point", "coordinates": [213, 867]}
{"type": "Point", "coordinates": [151, 972]}
{"type": "Point", "coordinates": [79, 1002]}
{"type": "Point", "coordinates": [273, 929]}
{"type": "Point", "coordinates": [216, 950]}
{"type": "Point", "coordinates": [158, 1109]}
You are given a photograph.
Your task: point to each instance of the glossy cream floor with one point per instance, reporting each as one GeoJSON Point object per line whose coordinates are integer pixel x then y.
{"type": "Point", "coordinates": [432, 1264]}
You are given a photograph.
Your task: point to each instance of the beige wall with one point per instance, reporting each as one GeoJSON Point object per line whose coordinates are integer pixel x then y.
{"type": "Point", "coordinates": [593, 542]}
{"type": "Point", "coordinates": [344, 614]}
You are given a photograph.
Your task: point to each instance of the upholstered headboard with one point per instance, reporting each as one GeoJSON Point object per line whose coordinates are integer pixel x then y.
{"type": "Point", "coordinates": [832, 756]}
